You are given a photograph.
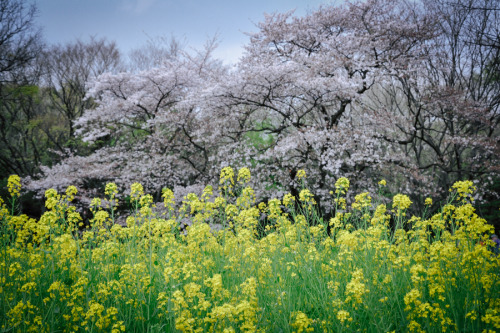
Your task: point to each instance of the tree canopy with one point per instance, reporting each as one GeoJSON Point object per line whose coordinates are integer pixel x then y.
{"type": "Point", "coordinates": [365, 90]}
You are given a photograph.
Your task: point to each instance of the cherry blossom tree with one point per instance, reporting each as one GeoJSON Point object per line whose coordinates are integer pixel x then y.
{"type": "Point", "coordinates": [302, 83]}
{"type": "Point", "coordinates": [143, 124]}
{"type": "Point", "coordinates": [360, 90]}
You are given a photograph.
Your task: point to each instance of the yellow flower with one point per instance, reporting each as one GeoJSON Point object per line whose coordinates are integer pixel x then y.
{"type": "Point", "coordinates": [400, 202]}
{"type": "Point", "coordinates": [464, 189]}
{"type": "Point", "coordinates": [379, 217]}
{"type": "Point", "coordinates": [302, 322]}
{"type": "Point", "coordinates": [243, 175]}
{"type": "Point", "coordinates": [306, 196]}
{"type": "Point", "coordinates": [288, 199]}
{"type": "Point", "coordinates": [341, 203]}
{"type": "Point", "coordinates": [70, 192]}
{"type": "Point", "coordinates": [220, 202]}
{"type": "Point", "coordinates": [208, 191]}
{"type": "Point", "coordinates": [14, 185]}
{"type": "Point", "coordinates": [301, 174]}
{"type": "Point", "coordinates": [362, 200]}
{"type": "Point", "coordinates": [342, 185]}
{"type": "Point", "coordinates": [428, 201]}
{"type": "Point", "coordinates": [95, 203]}
{"type": "Point", "coordinates": [231, 210]}
{"type": "Point", "coordinates": [146, 200]}
{"type": "Point", "coordinates": [343, 315]}
{"type": "Point", "coordinates": [168, 198]}
{"type": "Point", "coordinates": [136, 191]}
{"type": "Point", "coordinates": [226, 174]}
{"type": "Point", "coordinates": [356, 289]}
{"type": "Point", "coordinates": [382, 182]}
{"type": "Point", "coordinates": [246, 199]}
{"type": "Point", "coordinates": [111, 190]}
{"type": "Point", "coordinates": [274, 208]}
{"type": "Point", "coordinates": [52, 198]}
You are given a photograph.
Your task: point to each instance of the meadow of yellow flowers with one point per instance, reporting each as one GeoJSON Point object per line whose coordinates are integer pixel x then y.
{"type": "Point", "coordinates": [370, 268]}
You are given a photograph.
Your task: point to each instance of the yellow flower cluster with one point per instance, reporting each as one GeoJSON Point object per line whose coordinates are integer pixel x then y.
{"type": "Point", "coordinates": [464, 190]}
{"type": "Point", "coordinates": [243, 175]}
{"type": "Point", "coordinates": [136, 191]}
{"type": "Point", "coordinates": [168, 198]}
{"type": "Point", "coordinates": [111, 190]}
{"type": "Point", "coordinates": [356, 289]}
{"type": "Point", "coordinates": [342, 185]}
{"type": "Point", "coordinates": [301, 322]}
{"type": "Point", "coordinates": [307, 197]}
{"type": "Point", "coordinates": [274, 208]}
{"type": "Point", "coordinates": [227, 176]}
{"type": "Point", "coordinates": [288, 199]}
{"type": "Point", "coordinates": [400, 203]}
{"type": "Point", "coordinates": [362, 201]}
{"type": "Point", "coordinates": [14, 185]}
{"type": "Point", "coordinates": [238, 267]}
{"type": "Point", "coordinates": [341, 203]}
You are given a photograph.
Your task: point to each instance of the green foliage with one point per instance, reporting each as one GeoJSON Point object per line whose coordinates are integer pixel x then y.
{"type": "Point", "coordinates": [259, 138]}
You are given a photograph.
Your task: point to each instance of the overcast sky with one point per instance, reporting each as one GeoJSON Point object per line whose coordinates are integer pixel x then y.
{"type": "Point", "coordinates": [130, 22]}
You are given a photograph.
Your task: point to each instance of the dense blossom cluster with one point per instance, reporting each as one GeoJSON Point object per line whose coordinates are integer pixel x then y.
{"type": "Point", "coordinates": [278, 266]}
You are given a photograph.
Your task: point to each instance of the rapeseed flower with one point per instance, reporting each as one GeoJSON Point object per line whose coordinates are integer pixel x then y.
{"type": "Point", "coordinates": [111, 190]}
{"type": "Point", "coordinates": [52, 198]}
{"type": "Point", "coordinates": [306, 196]}
{"type": "Point", "coordinates": [14, 185]}
{"type": "Point", "coordinates": [168, 198]}
{"type": "Point", "coordinates": [243, 175]}
{"type": "Point", "coordinates": [71, 191]}
{"type": "Point", "coordinates": [226, 177]}
{"type": "Point", "coordinates": [136, 191]}
{"type": "Point", "coordinates": [362, 201]}
{"type": "Point", "coordinates": [95, 205]}
{"type": "Point", "coordinates": [342, 186]}
{"type": "Point", "coordinates": [301, 322]}
{"type": "Point", "coordinates": [301, 174]}
{"type": "Point", "coordinates": [464, 189]}
{"type": "Point", "coordinates": [208, 191]}
{"type": "Point", "coordinates": [146, 200]}
{"type": "Point", "coordinates": [400, 203]}
{"type": "Point", "coordinates": [341, 203]}
{"type": "Point", "coordinates": [246, 198]}
{"type": "Point", "coordinates": [274, 208]}
{"type": "Point", "coordinates": [288, 200]}
{"type": "Point", "coordinates": [343, 315]}
{"type": "Point", "coordinates": [144, 276]}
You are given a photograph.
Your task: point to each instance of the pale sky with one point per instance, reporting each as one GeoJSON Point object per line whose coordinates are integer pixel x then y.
{"type": "Point", "coordinates": [130, 22]}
